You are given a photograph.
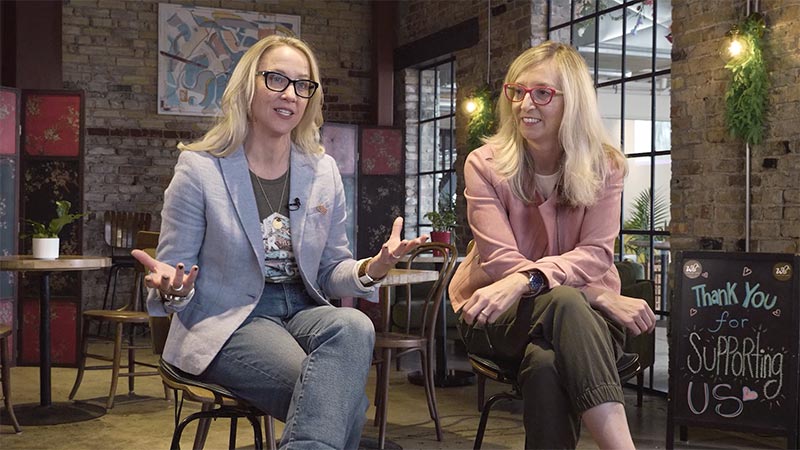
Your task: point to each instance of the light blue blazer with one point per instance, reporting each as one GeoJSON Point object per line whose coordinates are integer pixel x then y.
{"type": "Point", "coordinates": [210, 218]}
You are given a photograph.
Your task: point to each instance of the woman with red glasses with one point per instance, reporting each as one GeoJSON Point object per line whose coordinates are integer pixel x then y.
{"type": "Point", "coordinates": [539, 290]}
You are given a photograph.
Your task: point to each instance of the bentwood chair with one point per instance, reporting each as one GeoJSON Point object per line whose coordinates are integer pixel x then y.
{"type": "Point", "coordinates": [215, 400]}
{"type": "Point", "coordinates": [124, 321]}
{"type": "Point", "coordinates": [5, 332]}
{"type": "Point", "coordinates": [420, 340]}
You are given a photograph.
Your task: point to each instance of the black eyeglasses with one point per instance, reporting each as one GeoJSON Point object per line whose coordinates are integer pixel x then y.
{"type": "Point", "coordinates": [278, 82]}
{"type": "Point", "coordinates": [540, 95]}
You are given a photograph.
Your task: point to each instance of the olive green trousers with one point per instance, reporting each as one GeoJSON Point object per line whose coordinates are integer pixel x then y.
{"type": "Point", "coordinates": [566, 353]}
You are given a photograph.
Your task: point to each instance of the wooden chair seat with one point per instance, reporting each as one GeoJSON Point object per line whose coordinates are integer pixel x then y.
{"type": "Point", "coordinates": [5, 332]}
{"type": "Point", "coordinates": [124, 316]}
{"type": "Point", "coordinates": [398, 340]}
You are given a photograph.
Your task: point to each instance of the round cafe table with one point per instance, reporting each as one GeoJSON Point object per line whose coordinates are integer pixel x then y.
{"type": "Point", "coordinates": [47, 413]}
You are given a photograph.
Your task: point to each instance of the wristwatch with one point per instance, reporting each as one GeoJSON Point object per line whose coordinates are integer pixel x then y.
{"type": "Point", "coordinates": [363, 276]}
{"type": "Point", "coordinates": [537, 283]}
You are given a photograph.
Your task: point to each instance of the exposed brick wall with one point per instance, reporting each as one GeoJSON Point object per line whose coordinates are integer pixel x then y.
{"type": "Point", "coordinates": [513, 27]}
{"type": "Point", "coordinates": [708, 165]}
{"type": "Point", "coordinates": [110, 50]}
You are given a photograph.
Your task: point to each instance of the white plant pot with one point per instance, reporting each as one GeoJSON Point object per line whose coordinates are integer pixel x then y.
{"type": "Point", "coordinates": [45, 248]}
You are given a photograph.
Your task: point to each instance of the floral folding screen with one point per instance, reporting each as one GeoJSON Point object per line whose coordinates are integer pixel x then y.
{"type": "Point", "coordinates": [9, 214]}
{"type": "Point", "coordinates": [51, 168]}
{"type": "Point", "coordinates": [52, 124]}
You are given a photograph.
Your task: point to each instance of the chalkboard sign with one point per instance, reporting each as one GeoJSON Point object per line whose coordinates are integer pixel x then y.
{"type": "Point", "coordinates": [734, 343]}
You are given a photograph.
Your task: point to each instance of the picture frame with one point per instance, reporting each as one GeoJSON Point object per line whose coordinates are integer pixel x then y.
{"type": "Point", "coordinates": [198, 49]}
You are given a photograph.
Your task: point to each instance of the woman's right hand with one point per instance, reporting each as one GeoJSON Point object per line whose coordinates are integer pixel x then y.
{"type": "Point", "coordinates": [169, 280]}
{"type": "Point", "coordinates": [489, 302]}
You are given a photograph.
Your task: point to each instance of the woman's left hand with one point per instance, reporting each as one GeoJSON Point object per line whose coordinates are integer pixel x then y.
{"type": "Point", "coordinates": [392, 250]}
{"type": "Point", "coordinates": [632, 313]}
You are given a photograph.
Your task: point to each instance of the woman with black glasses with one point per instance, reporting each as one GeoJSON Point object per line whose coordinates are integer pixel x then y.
{"type": "Point", "coordinates": [540, 291]}
{"type": "Point", "coordinates": [257, 319]}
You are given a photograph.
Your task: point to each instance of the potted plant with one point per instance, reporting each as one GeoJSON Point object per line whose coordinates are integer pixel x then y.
{"type": "Point", "coordinates": [45, 238]}
{"type": "Point", "coordinates": [442, 221]}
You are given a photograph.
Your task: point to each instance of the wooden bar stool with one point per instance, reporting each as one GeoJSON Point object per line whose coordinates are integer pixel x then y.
{"type": "Point", "coordinates": [5, 332]}
{"type": "Point", "coordinates": [129, 316]}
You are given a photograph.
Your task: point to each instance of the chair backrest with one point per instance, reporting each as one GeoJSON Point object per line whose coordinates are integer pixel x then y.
{"type": "Point", "coordinates": [430, 254]}
{"type": "Point", "coordinates": [121, 227]}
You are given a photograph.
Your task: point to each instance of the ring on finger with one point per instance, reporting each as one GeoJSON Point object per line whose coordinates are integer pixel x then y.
{"type": "Point", "coordinates": [177, 289]}
{"type": "Point", "coordinates": [395, 256]}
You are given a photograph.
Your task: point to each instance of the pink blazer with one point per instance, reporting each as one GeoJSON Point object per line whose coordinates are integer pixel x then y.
{"type": "Point", "coordinates": [572, 246]}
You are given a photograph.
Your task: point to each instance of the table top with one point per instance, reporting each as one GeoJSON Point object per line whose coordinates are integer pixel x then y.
{"type": "Point", "coordinates": [28, 263]}
{"type": "Point", "coordinates": [397, 277]}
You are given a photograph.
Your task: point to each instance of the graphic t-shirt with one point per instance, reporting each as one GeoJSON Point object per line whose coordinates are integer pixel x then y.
{"type": "Point", "coordinates": [279, 261]}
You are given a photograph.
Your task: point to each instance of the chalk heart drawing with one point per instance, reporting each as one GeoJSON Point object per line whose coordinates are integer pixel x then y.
{"type": "Point", "coordinates": [746, 271]}
{"type": "Point", "coordinates": [692, 312]}
{"type": "Point", "coordinates": [776, 313]}
{"type": "Point", "coordinates": [748, 395]}
{"type": "Point", "coordinates": [704, 274]}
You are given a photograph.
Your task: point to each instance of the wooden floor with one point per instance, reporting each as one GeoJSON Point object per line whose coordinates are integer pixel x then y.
{"type": "Point", "coordinates": [145, 421]}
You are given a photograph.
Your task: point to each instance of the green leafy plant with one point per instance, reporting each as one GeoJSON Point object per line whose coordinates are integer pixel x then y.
{"type": "Point", "coordinates": [442, 220]}
{"type": "Point", "coordinates": [482, 122]}
{"type": "Point", "coordinates": [746, 97]}
{"type": "Point", "coordinates": [639, 219]}
{"type": "Point", "coordinates": [51, 230]}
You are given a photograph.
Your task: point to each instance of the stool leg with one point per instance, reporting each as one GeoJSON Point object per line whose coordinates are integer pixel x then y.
{"type": "Point", "coordinates": [202, 428]}
{"type": "Point", "coordinates": [115, 364]}
{"type": "Point", "coordinates": [131, 359]}
{"type": "Point", "coordinates": [84, 350]}
{"type": "Point", "coordinates": [269, 432]}
{"type": "Point", "coordinates": [6, 374]}
{"type": "Point", "coordinates": [384, 393]}
{"type": "Point", "coordinates": [481, 391]}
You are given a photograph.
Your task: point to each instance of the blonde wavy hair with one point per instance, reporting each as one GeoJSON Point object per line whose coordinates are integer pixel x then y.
{"type": "Point", "coordinates": [231, 127]}
{"type": "Point", "coordinates": [588, 151]}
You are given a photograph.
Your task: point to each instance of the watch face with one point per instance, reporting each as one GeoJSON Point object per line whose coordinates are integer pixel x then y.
{"type": "Point", "coordinates": [536, 282]}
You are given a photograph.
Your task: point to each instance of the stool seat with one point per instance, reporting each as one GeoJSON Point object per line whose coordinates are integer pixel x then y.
{"type": "Point", "coordinates": [124, 316]}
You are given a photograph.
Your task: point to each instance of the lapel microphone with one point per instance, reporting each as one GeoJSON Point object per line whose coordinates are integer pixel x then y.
{"type": "Point", "coordinates": [294, 205]}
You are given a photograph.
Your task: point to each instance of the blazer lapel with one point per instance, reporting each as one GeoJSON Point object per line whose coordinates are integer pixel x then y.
{"type": "Point", "coordinates": [302, 179]}
{"type": "Point", "coordinates": [237, 180]}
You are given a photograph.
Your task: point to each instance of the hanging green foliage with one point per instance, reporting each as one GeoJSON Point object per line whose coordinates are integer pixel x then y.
{"type": "Point", "coordinates": [746, 97]}
{"type": "Point", "coordinates": [481, 124]}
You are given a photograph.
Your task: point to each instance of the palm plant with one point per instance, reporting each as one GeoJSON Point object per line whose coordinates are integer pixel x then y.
{"type": "Point", "coordinates": [640, 219]}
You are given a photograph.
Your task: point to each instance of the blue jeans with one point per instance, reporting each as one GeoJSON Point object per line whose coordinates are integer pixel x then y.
{"type": "Point", "coordinates": [303, 363]}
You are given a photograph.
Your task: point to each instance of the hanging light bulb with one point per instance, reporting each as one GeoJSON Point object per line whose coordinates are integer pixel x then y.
{"type": "Point", "coordinates": [735, 46]}
{"type": "Point", "coordinates": [471, 106]}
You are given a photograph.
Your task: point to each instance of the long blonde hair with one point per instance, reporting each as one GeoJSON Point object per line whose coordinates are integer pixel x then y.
{"type": "Point", "coordinates": [588, 151]}
{"type": "Point", "coordinates": [231, 127]}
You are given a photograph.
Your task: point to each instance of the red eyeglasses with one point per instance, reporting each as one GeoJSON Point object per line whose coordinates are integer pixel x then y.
{"type": "Point", "coordinates": [541, 95]}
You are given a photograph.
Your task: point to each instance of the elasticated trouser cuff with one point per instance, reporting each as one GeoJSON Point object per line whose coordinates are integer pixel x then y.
{"type": "Point", "coordinates": [599, 395]}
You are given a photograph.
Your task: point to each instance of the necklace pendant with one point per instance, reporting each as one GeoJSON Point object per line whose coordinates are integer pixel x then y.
{"type": "Point", "coordinates": [276, 224]}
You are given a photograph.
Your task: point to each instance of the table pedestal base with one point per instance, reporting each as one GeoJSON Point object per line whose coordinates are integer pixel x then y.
{"type": "Point", "coordinates": [454, 378]}
{"type": "Point", "coordinates": [57, 413]}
